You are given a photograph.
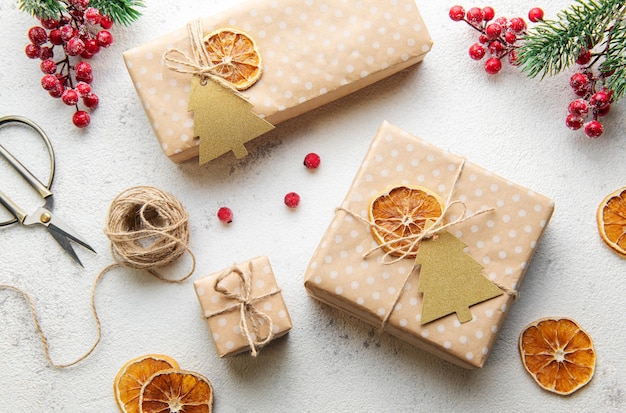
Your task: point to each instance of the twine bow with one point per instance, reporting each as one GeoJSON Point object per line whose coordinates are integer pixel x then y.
{"type": "Point", "coordinates": [251, 318]}
{"type": "Point", "coordinates": [199, 63]}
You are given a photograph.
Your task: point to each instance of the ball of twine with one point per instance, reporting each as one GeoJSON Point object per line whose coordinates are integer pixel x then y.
{"type": "Point", "coordinates": [148, 229]}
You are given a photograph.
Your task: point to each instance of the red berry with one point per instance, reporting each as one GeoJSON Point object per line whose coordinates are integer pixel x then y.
{"type": "Point", "coordinates": [49, 23]}
{"type": "Point", "coordinates": [292, 199]}
{"type": "Point", "coordinates": [106, 22]}
{"type": "Point", "coordinates": [69, 97]}
{"type": "Point", "coordinates": [513, 58]}
{"type": "Point", "coordinates": [67, 32]}
{"type": "Point", "coordinates": [92, 15]}
{"type": "Point", "coordinates": [493, 30]}
{"type": "Point", "coordinates": [517, 25]}
{"type": "Point", "coordinates": [32, 51]}
{"type": "Point", "coordinates": [535, 14]}
{"type": "Point", "coordinates": [578, 107]}
{"type": "Point", "coordinates": [584, 57]}
{"type": "Point", "coordinates": [91, 100]}
{"type": "Point", "coordinates": [477, 51]}
{"type": "Point", "coordinates": [493, 65]}
{"type": "Point", "coordinates": [579, 82]}
{"type": "Point", "coordinates": [46, 53]}
{"type": "Point", "coordinates": [81, 119]}
{"type": "Point", "coordinates": [573, 122]}
{"type": "Point", "coordinates": [474, 15]}
{"type": "Point", "coordinates": [312, 160]}
{"type": "Point", "coordinates": [593, 129]}
{"type": "Point", "coordinates": [74, 46]}
{"type": "Point", "coordinates": [502, 21]}
{"type": "Point", "coordinates": [488, 13]}
{"type": "Point", "coordinates": [86, 55]}
{"type": "Point", "coordinates": [48, 66]}
{"type": "Point", "coordinates": [91, 46]}
{"type": "Point", "coordinates": [225, 215]}
{"type": "Point", "coordinates": [49, 82]}
{"type": "Point", "coordinates": [496, 47]}
{"type": "Point", "coordinates": [83, 89]}
{"type": "Point", "coordinates": [457, 13]}
{"type": "Point", "coordinates": [55, 37]}
{"type": "Point", "coordinates": [604, 111]}
{"type": "Point", "coordinates": [599, 100]}
{"type": "Point", "coordinates": [80, 4]}
{"type": "Point", "coordinates": [82, 68]}
{"type": "Point", "coordinates": [37, 35]}
{"type": "Point", "coordinates": [57, 92]}
{"type": "Point", "coordinates": [510, 37]}
{"type": "Point", "coordinates": [84, 77]}
{"type": "Point", "coordinates": [104, 38]}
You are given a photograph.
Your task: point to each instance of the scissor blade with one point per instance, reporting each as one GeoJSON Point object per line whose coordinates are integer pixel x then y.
{"type": "Point", "coordinates": [56, 225]}
{"type": "Point", "coordinates": [64, 242]}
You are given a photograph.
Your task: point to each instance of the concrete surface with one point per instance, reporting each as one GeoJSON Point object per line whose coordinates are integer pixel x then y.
{"type": "Point", "coordinates": [330, 362]}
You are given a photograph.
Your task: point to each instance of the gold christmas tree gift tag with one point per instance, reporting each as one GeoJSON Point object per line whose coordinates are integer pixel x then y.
{"type": "Point", "coordinates": [450, 280]}
{"type": "Point", "coordinates": [222, 119]}
{"type": "Point", "coordinates": [222, 63]}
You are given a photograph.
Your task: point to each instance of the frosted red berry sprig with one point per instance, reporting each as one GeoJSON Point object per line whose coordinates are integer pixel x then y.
{"type": "Point", "coordinates": [60, 43]}
{"type": "Point", "coordinates": [499, 37]}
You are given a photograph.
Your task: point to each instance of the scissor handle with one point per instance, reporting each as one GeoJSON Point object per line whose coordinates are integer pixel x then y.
{"type": "Point", "coordinates": [44, 190]}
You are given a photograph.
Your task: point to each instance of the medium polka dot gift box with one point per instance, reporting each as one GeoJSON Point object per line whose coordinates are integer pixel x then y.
{"type": "Point", "coordinates": [311, 52]}
{"type": "Point", "coordinates": [243, 307]}
{"type": "Point", "coordinates": [428, 247]}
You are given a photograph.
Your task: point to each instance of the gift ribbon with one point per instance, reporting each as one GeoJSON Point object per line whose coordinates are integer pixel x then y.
{"type": "Point", "coordinates": [427, 233]}
{"type": "Point", "coordinates": [199, 63]}
{"type": "Point", "coordinates": [247, 309]}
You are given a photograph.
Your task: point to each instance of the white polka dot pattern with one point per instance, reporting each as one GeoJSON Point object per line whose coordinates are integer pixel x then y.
{"type": "Point", "coordinates": [503, 241]}
{"type": "Point", "coordinates": [222, 313]}
{"type": "Point", "coordinates": [313, 53]}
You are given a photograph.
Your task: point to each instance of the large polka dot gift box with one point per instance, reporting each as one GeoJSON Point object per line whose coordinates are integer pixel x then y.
{"type": "Point", "coordinates": [385, 292]}
{"type": "Point", "coordinates": [313, 52]}
{"type": "Point", "coordinates": [243, 307]}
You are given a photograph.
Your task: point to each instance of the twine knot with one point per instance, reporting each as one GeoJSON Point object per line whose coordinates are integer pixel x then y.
{"type": "Point", "coordinates": [199, 63]}
{"type": "Point", "coordinates": [251, 318]}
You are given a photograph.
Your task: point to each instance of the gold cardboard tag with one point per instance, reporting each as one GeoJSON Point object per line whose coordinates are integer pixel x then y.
{"type": "Point", "coordinates": [450, 280]}
{"type": "Point", "coordinates": [223, 120]}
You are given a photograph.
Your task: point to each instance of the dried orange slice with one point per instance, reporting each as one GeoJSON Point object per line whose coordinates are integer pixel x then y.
{"type": "Point", "coordinates": [400, 212]}
{"type": "Point", "coordinates": [558, 354]}
{"type": "Point", "coordinates": [132, 376]}
{"type": "Point", "coordinates": [176, 391]}
{"type": "Point", "coordinates": [235, 57]}
{"type": "Point", "coordinates": [611, 218]}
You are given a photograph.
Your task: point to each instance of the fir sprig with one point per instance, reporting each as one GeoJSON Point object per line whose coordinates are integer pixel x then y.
{"type": "Point", "coordinates": [120, 11]}
{"type": "Point", "coordinates": [553, 45]}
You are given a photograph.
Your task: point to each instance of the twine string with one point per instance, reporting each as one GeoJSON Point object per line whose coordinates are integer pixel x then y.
{"type": "Point", "coordinates": [401, 247]}
{"type": "Point", "coordinates": [147, 229]}
{"type": "Point", "coordinates": [251, 318]}
{"type": "Point", "coordinates": [199, 63]}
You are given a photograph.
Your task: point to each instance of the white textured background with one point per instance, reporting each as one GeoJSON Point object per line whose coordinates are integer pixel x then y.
{"type": "Point", "coordinates": [330, 362]}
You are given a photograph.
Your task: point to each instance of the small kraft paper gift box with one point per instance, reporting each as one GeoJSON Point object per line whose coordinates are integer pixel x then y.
{"type": "Point", "coordinates": [225, 79]}
{"type": "Point", "coordinates": [243, 307]}
{"type": "Point", "coordinates": [428, 247]}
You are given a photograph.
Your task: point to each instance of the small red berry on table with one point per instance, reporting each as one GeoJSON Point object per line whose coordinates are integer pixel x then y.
{"type": "Point", "coordinates": [593, 129]}
{"type": "Point", "coordinates": [292, 200]}
{"type": "Point", "coordinates": [225, 215]}
{"type": "Point", "coordinates": [81, 119]}
{"type": "Point", "coordinates": [535, 14]}
{"type": "Point", "coordinates": [493, 65]}
{"type": "Point", "coordinates": [312, 160]}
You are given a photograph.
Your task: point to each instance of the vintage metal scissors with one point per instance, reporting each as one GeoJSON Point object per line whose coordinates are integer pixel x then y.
{"type": "Point", "coordinates": [60, 231]}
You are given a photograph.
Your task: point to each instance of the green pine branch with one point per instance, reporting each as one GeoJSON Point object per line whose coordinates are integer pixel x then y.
{"type": "Point", "coordinates": [121, 11]}
{"type": "Point", "coordinates": [553, 45]}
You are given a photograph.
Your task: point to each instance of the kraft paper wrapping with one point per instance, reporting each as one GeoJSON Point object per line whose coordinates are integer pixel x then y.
{"type": "Point", "coordinates": [313, 52]}
{"type": "Point", "coordinates": [502, 241]}
{"type": "Point", "coordinates": [223, 314]}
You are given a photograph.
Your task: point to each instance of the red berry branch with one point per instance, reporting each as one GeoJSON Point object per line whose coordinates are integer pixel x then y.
{"type": "Point", "coordinates": [591, 35]}
{"type": "Point", "coordinates": [72, 31]}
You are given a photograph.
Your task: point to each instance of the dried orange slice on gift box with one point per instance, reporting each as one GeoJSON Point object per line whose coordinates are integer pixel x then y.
{"type": "Point", "coordinates": [611, 217]}
{"type": "Point", "coordinates": [235, 56]}
{"type": "Point", "coordinates": [133, 375]}
{"type": "Point", "coordinates": [558, 354]}
{"type": "Point", "coordinates": [176, 391]}
{"type": "Point", "coordinates": [400, 212]}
